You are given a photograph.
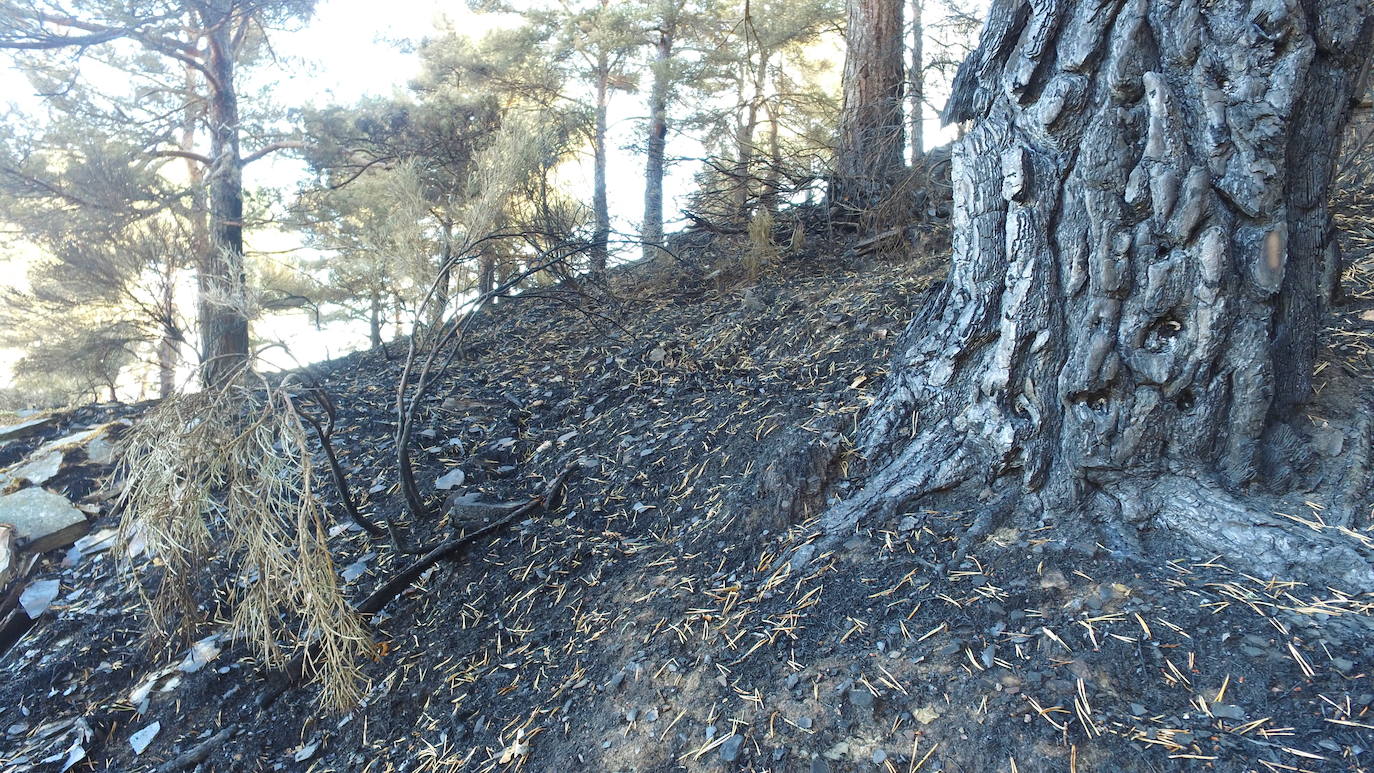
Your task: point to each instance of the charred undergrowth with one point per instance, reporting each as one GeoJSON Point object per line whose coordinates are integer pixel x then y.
{"type": "Point", "coordinates": [653, 621]}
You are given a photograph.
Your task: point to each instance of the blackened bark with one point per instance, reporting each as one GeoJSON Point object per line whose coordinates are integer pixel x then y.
{"type": "Point", "coordinates": [1141, 252]}
{"type": "Point", "coordinates": [223, 305]}
{"type": "Point", "coordinates": [869, 153]}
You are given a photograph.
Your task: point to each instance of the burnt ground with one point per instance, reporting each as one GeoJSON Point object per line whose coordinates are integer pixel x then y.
{"type": "Point", "coordinates": [651, 624]}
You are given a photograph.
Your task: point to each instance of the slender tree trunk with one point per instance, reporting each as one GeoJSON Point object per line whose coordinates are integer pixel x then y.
{"type": "Point", "coordinates": [1141, 243]}
{"type": "Point", "coordinates": [486, 273]}
{"type": "Point", "coordinates": [871, 142]}
{"type": "Point", "coordinates": [444, 288]}
{"type": "Point", "coordinates": [744, 137]}
{"type": "Point", "coordinates": [167, 344]}
{"type": "Point", "coordinates": [199, 240]}
{"type": "Point", "coordinates": [652, 231]}
{"type": "Point", "coordinates": [772, 179]}
{"type": "Point", "coordinates": [600, 209]}
{"type": "Point", "coordinates": [375, 319]}
{"type": "Point", "coordinates": [223, 312]}
{"type": "Point", "coordinates": [916, 85]}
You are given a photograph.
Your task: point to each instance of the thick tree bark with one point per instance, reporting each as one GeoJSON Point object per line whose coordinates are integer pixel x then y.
{"type": "Point", "coordinates": [916, 85]}
{"type": "Point", "coordinates": [871, 142]}
{"type": "Point", "coordinates": [1142, 252]}
{"type": "Point", "coordinates": [223, 305]}
{"type": "Point", "coordinates": [651, 234]}
{"type": "Point", "coordinates": [600, 210]}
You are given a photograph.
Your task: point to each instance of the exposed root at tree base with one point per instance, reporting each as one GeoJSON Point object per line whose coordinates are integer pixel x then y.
{"type": "Point", "coordinates": [1260, 533]}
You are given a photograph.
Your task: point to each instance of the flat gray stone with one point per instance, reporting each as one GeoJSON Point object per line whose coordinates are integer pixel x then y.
{"type": "Point", "coordinates": [25, 428]}
{"type": "Point", "coordinates": [9, 556]}
{"type": "Point", "coordinates": [46, 519]}
{"type": "Point", "coordinates": [470, 506]}
{"type": "Point", "coordinates": [96, 440]}
{"type": "Point", "coordinates": [37, 469]}
{"type": "Point", "coordinates": [38, 596]}
{"type": "Point", "coordinates": [101, 451]}
{"type": "Point", "coordinates": [452, 479]}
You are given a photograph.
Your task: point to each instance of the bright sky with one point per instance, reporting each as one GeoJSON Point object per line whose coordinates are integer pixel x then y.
{"type": "Point", "coordinates": [342, 60]}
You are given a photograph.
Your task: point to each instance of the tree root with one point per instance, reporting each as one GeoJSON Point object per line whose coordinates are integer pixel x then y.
{"type": "Point", "coordinates": [933, 463]}
{"type": "Point", "coordinates": [1239, 529]}
{"type": "Point", "coordinates": [1244, 530]}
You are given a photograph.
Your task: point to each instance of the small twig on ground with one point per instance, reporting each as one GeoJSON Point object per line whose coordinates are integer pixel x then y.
{"type": "Point", "coordinates": [550, 499]}
{"type": "Point", "coordinates": [196, 754]}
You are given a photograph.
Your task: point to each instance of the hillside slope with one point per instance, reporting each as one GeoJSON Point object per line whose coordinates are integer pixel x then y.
{"type": "Point", "coordinates": [651, 623]}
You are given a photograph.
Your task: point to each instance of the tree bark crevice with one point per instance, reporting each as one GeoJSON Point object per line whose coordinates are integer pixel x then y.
{"type": "Point", "coordinates": [1142, 255]}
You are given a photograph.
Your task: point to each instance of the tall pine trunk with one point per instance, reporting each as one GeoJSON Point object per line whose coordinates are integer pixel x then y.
{"type": "Point", "coordinates": [1142, 252]}
{"type": "Point", "coordinates": [916, 85]}
{"type": "Point", "coordinates": [486, 272]}
{"type": "Point", "coordinates": [600, 209]}
{"type": "Point", "coordinates": [223, 312]}
{"type": "Point", "coordinates": [871, 142]}
{"type": "Point", "coordinates": [651, 234]}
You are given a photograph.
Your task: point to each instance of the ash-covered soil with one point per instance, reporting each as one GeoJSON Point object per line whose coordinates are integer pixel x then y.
{"type": "Point", "coordinates": [652, 623]}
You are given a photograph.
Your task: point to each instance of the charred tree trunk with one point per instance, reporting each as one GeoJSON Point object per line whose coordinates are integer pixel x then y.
{"type": "Point", "coordinates": [871, 143]}
{"type": "Point", "coordinates": [652, 231]}
{"type": "Point", "coordinates": [1142, 252]}
{"type": "Point", "coordinates": [223, 312]}
{"type": "Point", "coordinates": [600, 209]}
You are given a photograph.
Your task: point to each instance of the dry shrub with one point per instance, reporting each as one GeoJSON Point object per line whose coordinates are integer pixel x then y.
{"type": "Point", "coordinates": [918, 202]}
{"type": "Point", "coordinates": [763, 251]}
{"type": "Point", "coordinates": [221, 486]}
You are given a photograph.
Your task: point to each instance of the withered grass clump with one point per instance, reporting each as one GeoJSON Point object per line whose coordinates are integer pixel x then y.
{"type": "Point", "coordinates": [221, 483]}
{"type": "Point", "coordinates": [763, 252]}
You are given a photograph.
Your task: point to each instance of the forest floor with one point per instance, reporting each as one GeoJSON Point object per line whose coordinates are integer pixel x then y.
{"type": "Point", "coordinates": [652, 623]}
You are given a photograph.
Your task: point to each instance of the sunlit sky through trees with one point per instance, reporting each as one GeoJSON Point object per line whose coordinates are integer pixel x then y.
{"type": "Point", "coordinates": [356, 48]}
